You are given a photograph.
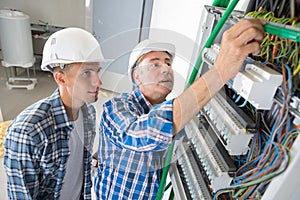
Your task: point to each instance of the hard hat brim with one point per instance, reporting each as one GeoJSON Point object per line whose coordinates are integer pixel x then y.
{"type": "Point", "coordinates": [101, 61]}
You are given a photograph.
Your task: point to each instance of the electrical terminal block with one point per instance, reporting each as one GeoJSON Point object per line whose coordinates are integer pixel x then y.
{"type": "Point", "coordinates": [232, 133]}
{"type": "Point", "coordinates": [257, 85]}
{"type": "Point", "coordinates": [193, 178]}
{"type": "Point", "coordinates": [209, 55]}
{"type": "Point", "coordinates": [213, 160]}
{"type": "Point", "coordinates": [295, 105]}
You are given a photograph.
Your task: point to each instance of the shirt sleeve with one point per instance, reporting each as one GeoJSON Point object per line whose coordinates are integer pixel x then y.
{"type": "Point", "coordinates": [22, 176]}
{"type": "Point", "coordinates": [126, 127]}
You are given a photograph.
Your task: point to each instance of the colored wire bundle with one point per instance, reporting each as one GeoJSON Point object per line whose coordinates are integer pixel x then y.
{"type": "Point", "coordinates": [268, 155]}
{"type": "Point", "coordinates": [253, 176]}
{"type": "Point", "coordinates": [285, 8]}
{"type": "Point", "coordinates": [278, 50]}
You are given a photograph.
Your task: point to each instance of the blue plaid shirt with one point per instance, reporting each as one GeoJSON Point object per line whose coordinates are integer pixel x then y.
{"type": "Point", "coordinates": [36, 150]}
{"type": "Point", "coordinates": [133, 140]}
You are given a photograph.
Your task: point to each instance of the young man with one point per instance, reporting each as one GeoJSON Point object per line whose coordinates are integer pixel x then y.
{"type": "Point", "coordinates": [137, 128]}
{"type": "Point", "coordinates": [48, 146]}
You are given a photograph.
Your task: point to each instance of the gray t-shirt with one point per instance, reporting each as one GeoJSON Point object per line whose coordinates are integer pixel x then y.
{"type": "Point", "coordinates": [73, 179]}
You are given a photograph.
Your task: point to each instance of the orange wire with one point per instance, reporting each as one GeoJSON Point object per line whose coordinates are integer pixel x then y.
{"type": "Point", "coordinates": [270, 169]}
{"type": "Point", "coordinates": [284, 79]}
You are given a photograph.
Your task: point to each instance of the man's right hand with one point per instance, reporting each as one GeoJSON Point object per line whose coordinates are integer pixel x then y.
{"type": "Point", "coordinates": [238, 42]}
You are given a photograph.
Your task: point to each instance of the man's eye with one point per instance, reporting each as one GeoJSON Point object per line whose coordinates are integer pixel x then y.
{"type": "Point", "coordinates": [156, 65]}
{"type": "Point", "coordinates": [86, 73]}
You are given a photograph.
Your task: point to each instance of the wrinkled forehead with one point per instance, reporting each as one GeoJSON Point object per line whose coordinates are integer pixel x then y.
{"type": "Point", "coordinates": [155, 55]}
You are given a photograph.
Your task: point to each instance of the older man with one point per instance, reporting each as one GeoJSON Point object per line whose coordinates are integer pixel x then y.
{"type": "Point", "coordinates": [137, 128]}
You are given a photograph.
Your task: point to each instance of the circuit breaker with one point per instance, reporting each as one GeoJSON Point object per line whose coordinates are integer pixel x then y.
{"type": "Point", "coordinates": [243, 144]}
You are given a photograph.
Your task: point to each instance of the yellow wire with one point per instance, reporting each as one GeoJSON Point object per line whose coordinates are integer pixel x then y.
{"type": "Point", "coordinates": [288, 139]}
{"type": "Point", "coordinates": [296, 71]}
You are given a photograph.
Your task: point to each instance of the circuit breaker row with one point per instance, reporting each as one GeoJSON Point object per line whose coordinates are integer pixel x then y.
{"type": "Point", "coordinates": [203, 157]}
{"type": "Point", "coordinates": [222, 130]}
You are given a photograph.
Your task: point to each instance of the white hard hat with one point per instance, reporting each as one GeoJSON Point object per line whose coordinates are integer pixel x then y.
{"type": "Point", "coordinates": [71, 45]}
{"type": "Point", "coordinates": [147, 46]}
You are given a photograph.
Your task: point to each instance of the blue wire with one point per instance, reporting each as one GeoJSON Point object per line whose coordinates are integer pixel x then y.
{"type": "Point", "coordinates": [287, 136]}
{"type": "Point", "coordinates": [244, 104]}
{"type": "Point", "coordinates": [274, 126]}
{"type": "Point", "coordinates": [289, 76]}
{"type": "Point", "coordinates": [266, 145]}
{"type": "Point", "coordinates": [237, 99]}
{"type": "Point", "coordinates": [273, 163]}
{"type": "Point", "coordinates": [263, 186]}
{"type": "Point", "coordinates": [273, 114]}
{"type": "Point", "coordinates": [250, 192]}
{"type": "Point", "coordinates": [289, 88]}
{"type": "Point", "coordinates": [263, 170]}
{"type": "Point", "coordinates": [288, 123]}
{"type": "Point", "coordinates": [276, 157]}
{"type": "Point", "coordinates": [295, 130]}
{"type": "Point", "coordinates": [233, 96]}
{"type": "Point", "coordinates": [263, 137]}
{"type": "Point", "coordinates": [259, 145]}
{"type": "Point", "coordinates": [264, 62]}
{"type": "Point", "coordinates": [252, 148]}
{"type": "Point", "coordinates": [278, 53]}
{"type": "Point", "coordinates": [240, 179]}
{"type": "Point", "coordinates": [258, 121]}
{"type": "Point", "coordinates": [268, 141]}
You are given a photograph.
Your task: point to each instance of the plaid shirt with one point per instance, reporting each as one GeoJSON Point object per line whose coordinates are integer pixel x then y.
{"type": "Point", "coordinates": [134, 137]}
{"type": "Point", "coordinates": [36, 150]}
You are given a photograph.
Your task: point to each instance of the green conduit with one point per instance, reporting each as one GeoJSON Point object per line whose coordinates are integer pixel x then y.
{"type": "Point", "coordinates": [194, 73]}
{"type": "Point", "coordinates": [211, 38]}
{"type": "Point", "coordinates": [221, 3]}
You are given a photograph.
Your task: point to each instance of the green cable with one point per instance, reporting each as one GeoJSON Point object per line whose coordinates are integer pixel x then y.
{"type": "Point", "coordinates": [211, 38]}
{"type": "Point", "coordinates": [165, 172]}
{"type": "Point", "coordinates": [172, 195]}
{"type": "Point", "coordinates": [208, 43]}
{"type": "Point", "coordinates": [282, 31]}
{"type": "Point", "coordinates": [221, 3]}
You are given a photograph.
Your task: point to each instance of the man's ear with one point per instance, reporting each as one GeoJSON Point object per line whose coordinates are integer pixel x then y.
{"type": "Point", "coordinates": [136, 78]}
{"type": "Point", "coordinates": [59, 77]}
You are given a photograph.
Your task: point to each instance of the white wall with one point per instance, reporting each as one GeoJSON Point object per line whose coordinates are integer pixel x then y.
{"type": "Point", "coordinates": [177, 21]}
{"type": "Point", "coordinates": [55, 12]}
{"type": "Point", "coordinates": [173, 21]}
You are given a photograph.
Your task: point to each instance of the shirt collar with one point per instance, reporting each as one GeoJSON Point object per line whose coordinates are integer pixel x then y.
{"type": "Point", "coordinates": [61, 120]}
{"type": "Point", "coordinates": [145, 104]}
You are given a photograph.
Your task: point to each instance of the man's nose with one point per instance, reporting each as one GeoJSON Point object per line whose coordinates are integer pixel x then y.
{"type": "Point", "coordinates": [165, 68]}
{"type": "Point", "coordinates": [96, 80]}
